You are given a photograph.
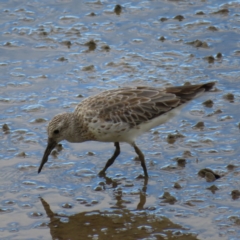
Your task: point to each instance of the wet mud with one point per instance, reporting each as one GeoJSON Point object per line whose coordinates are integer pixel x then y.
{"type": "Point", "coordinates": [55, 53]}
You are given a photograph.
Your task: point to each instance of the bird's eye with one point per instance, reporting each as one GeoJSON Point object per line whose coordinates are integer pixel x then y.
{"type": "Point", "coordinates": [56, 131]}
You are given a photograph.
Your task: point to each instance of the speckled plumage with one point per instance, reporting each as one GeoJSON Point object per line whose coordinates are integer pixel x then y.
{"type": "Point", "coordinates": [120, 115]}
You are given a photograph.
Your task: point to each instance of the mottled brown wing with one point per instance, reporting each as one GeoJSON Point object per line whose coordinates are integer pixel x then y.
{"type": "Point", "coordinates": [135, 105]}
{"type": "Point", "coordinates": [140, 104]}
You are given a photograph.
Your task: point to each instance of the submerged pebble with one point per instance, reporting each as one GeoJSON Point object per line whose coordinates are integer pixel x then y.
{"type": "Point", "coordinates": [21, 154]}
{"type": "Point", "coordinates": [5, 128]}
{"type": "Point", "coordinates": [181, 162]}
{"type": "Point", "coordinates": [209, 103]}
{"type": "Point", "coordinates": [54, 153]}
{"type": "Point", "coordinates": [172, 137]}
{"type": "Point", "coordinates": [219, 55]}
{"type": "Point", "coordinates": [235, 194]}
{"type": "Point", "coordinates": [179, 18]}
{"type": "Point", "coordinates": [67, 43]}
{"type": "Point", "coordinates": [9, 202]}
{"type": "Point", "coordinates": [35, 214]}
{"type": "Point", "coordinates": [98, 188]}
{"type": "Point", "coordinates": [5, 210]}
{"type": "Point", "coordinates": [200, 13]}
{"type": "Point", "coordinates": [88, 68]}
{"type": "Point", "coordinates": [187, 154]}
{"type": "Point", "coordinates": [168, 198]}
{"type": "Point", "coordinates": [118, 9]}
{"type": "Point", "coordinates": [213, 188]}
{"type": "Point", "coordinates": [199, 125]}
{"type": "Point", "coordinates": [105, 48]}
{"type": "Point", "coordinates": [90, 153]}
{"type": "Point", "coordinates": [177, 185]}
{"type": "Point", "coordinates": [229, 97]}
{"type": "Point", "coordinates": [231, 167]}
{"type": "Point", "coordinates": [92, 14]}
{"type": "Point", "coordinates": [222, 11]}
{"type": "Point", "coordinates": [212, 28]}
{"type": "Point", "coordinates": [210, 59]}
{"type": "Point", "coordinates": [91, 45]}
{"type": "Point", "coordinates": [62, 59]}
{"type": "Point", "coordinates": [59, 147]}
{"type": "Point", "coordinates": [197, 43]}
{"type": "Point", "coordinates": [162, 39]}
{"type": "Point", "coordinates": [67, 205]}
{"type": "Point", "coordinates": [38, 120]}
{"type": "Point", "coordinates": [163, 19]}
{"type": "Point", "coordinates": [208, 174]}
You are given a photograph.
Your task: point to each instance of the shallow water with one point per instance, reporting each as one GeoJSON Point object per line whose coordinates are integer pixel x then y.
{"type": "Point", "coordinates": [54, 53]}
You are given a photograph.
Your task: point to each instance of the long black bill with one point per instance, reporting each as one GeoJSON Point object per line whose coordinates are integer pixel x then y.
{"type": "Point", "coordinates": [51, 145]}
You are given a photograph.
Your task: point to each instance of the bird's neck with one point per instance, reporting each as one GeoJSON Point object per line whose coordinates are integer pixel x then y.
{"type": "Point", "coordinates": [78, 131]}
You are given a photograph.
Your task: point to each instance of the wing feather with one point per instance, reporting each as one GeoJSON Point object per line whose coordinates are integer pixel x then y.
{"type": "Point", "coordinates": [138, 104]}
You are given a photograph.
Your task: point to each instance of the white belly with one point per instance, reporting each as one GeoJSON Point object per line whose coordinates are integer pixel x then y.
{"type": "Point", "coordinates": [122, 132]}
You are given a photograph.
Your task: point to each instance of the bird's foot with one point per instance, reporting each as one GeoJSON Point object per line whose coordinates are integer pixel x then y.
{"type": "Point", "coordinates": [102, 174]}
{"type": "Point", "coordinates": [142, 177]}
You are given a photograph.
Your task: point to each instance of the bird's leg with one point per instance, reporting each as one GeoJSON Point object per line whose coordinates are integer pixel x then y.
{"type": "Point", "coordinates": [112, 159]}
{"type": "Point", "coordinates": [141, 157]}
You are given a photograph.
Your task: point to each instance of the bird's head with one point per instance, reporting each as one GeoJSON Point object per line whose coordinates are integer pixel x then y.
{"type": "Point", "coordinates": [57, 131]}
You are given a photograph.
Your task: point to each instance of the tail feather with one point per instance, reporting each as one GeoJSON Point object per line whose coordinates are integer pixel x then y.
{"type": "Point", "coordinates": [208, 86]}
{"type": "Point", "coordinates": [188, 92]}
